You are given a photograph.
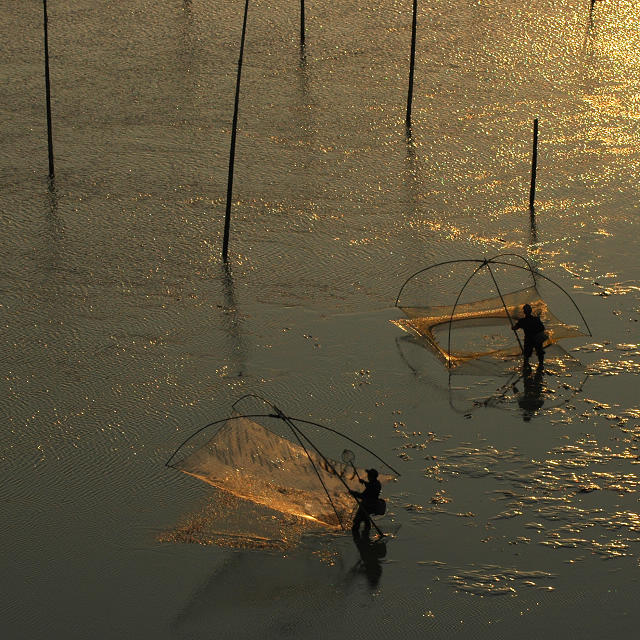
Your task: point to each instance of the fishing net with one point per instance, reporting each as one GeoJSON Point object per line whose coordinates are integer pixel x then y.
{"type": "Point", "coordinates": [472, 332]}
{"type": "Point", "coordinates": [223, 519]}
{"type": "Point", "coordinates": [284, 474]}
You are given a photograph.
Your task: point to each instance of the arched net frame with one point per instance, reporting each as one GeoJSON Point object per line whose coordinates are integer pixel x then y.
{"type": "Point", "coordinates": [279, 462]}
{"type": "Point", "coordinates": [464, 310]}
{"type": "Point", "coordinates": [348, 456]}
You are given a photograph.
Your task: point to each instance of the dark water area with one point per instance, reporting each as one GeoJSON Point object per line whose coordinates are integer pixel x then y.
{"type": "Point", "coordinates": [123, 332]}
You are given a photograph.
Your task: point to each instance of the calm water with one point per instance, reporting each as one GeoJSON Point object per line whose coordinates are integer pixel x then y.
{"type": "Point", "coordinates": [122, 333]}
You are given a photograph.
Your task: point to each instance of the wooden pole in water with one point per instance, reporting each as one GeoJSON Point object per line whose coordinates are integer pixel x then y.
{"type": "Point", "coordinates": [412, 61]}
{"type": "Point", "coordinates": [47, 83]}
{"type": "Point", "coordinates": [534, 165]}
{"type": "Point", "coordinates": [234, 127]}
{"type": "Point", "coordinates": [302, 27]}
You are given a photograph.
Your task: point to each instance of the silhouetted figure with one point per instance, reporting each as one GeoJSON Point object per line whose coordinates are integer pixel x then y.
{"type": "Point", "coordinates": [534, 335]}
{"type": "Point", "coordinates": [371, 552]}
{"type": "Point", "coordinates": [368, 504]}
{"type": "Point", "coordinates": [531, 399]}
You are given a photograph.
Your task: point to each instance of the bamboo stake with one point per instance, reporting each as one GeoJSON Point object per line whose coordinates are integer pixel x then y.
{"type": "Point", "coordinates": [234, 127]}
{"type": "Point", "coordinates": [534, 165]}
{"type": "Point", "coordinates": [412, 60]}
{"type": "Point", "coordinates": [48, 89]}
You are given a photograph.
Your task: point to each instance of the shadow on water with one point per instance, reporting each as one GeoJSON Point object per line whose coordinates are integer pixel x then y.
{"type": "Point", "coordinates": [54, 227]}
{"type": "Point", "coordinates": [303, 75]}
{"type": "Point", "coordinates": [52, 197]}
{"type": "Point", "coordinates": [187, 39]}
{"type": "Point", "coordinates": [528, 399]}
{"type": "Point", "coordinates": [188, 54]}
{"type": "Point", "coordinates": [531, 400]}
{"type": "Point", "coordinates": [412, 173]}
{"type": "Point", "coordinates": [372, 552]}
{"type": "Point", "coordinates": [246, 582]}
{"type": "Point", "coordinates": [204, 598]}
{"type": "Point", "coordinates": [232, 322]}
{"type": "Point", "coordinates": [306, 125]}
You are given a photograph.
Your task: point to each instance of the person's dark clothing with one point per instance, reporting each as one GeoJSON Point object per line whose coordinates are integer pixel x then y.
{"type": "Point", "coordinates": [368, 503]}
{"type": "Point", "coordinates": [370, 495]}
{"type": "Point", "coordinates": [534, 336]}
{"type": "Point", "coordinates": [528, 348]}
{"type": "Point", "coordinates": [531, 325]}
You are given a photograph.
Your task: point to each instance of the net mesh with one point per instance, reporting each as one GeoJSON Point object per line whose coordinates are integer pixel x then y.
{"type": "Point", "coordinates": [474, 333]}
{"type": "Point", "coordinates": [254, 463]}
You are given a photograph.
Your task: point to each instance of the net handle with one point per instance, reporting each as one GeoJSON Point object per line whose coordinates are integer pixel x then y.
{"type": "Point", "coordinates": [356, 498]}
{"type": "Point", "coordinates": [504, 304]}
{"type": "Point", "coordinates": [297, 433]}
{"type": "Point", "coordinates": [348, 457]}
{"type": "Point", "coordinates": [535, 272]}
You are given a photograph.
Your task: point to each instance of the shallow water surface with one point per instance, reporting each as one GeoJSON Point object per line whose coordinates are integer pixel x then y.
{"type": "Point", "coordinates": [516, 510]}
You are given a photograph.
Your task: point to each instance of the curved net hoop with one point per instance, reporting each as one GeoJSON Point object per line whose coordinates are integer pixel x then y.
{"type": "Point", "coordinates": [480, 328]}
{"type": "Point", "coordinates": [257, 464]}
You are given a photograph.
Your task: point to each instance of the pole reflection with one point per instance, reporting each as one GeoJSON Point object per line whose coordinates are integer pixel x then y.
{"type": "Point", "coordinates": [232, 322]}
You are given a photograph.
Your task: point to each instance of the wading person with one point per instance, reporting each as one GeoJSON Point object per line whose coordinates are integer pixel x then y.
{"type": "Point", "coordinates": [534, 335]}
{"type": "Point", "coordinates": [368, 504]}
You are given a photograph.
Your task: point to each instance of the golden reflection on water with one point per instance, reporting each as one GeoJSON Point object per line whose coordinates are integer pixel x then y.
{"type": "Point", "coordinates": [231, 522]}
{"type": "Point", "coordinates": [615, 35]}
{"type": "Point", "coordinates": [547, 493]}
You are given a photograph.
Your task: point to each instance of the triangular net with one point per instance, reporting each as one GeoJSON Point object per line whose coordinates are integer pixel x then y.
{"type": "Point", "coordinates": [255, 463]}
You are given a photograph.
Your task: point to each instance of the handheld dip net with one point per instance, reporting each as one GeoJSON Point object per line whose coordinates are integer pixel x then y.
{"type": "Point", "coordinates": [274, 460]}
{"type": "Point", "coordinates": [464, 312]}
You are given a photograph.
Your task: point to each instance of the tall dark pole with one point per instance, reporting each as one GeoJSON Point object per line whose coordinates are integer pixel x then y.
{"type": "Point", "coordinates": [48, 90]}
{"type": "Point", "coordinates": [234, 127]}
{"type": "Point", "coordinates": [534, 228]}
{"type": "Point", "coordinates": [412, 62]}
{"type": "Point", "coordinates": [591, 13]}
{"type": "Point", "coordinates": [534, 165]}
{"type": "Point", "coordinates": [302, 28]}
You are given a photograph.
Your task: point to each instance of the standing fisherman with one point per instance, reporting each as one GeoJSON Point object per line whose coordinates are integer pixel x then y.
{"type": "Point", "coordinates": [534, 335]}
{"type": "Point", "coordinates": [368, 502]}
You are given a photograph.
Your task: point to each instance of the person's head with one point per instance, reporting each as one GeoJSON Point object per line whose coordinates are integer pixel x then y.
{"type": "Point", "coordinates": [527, 309]}
{"type": "Point", "coordinates": [372, 474]}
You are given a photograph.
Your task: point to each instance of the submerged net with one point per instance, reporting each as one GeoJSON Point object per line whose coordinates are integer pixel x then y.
{"type": "Point", "coordinates": [226, 520]}
{"type": "Point", "coordinates": [256, 464]}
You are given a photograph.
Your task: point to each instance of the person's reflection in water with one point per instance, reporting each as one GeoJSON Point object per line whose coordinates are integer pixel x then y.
{"type": "Point", "coordinates": [371, 553]}
{"type": "Point", "coordinates": [531, 400]}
